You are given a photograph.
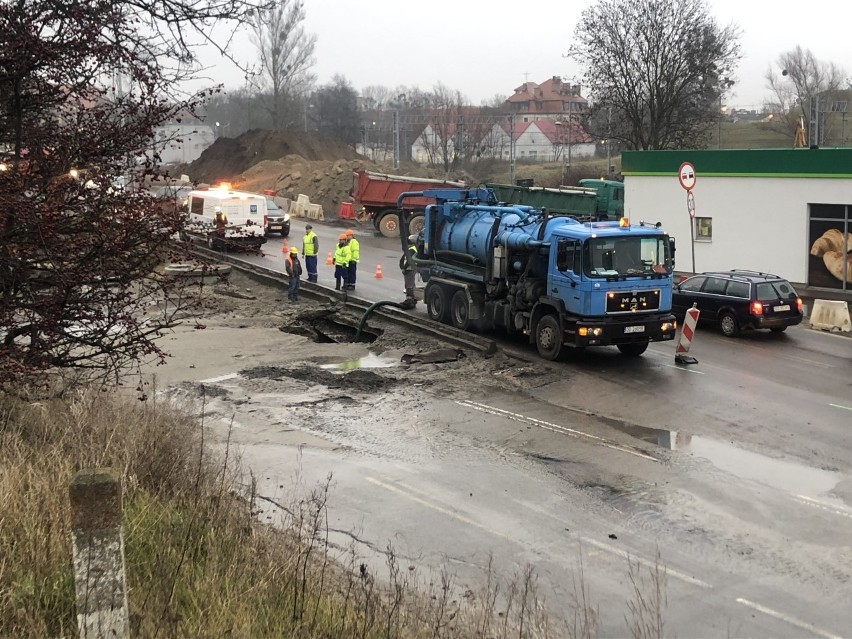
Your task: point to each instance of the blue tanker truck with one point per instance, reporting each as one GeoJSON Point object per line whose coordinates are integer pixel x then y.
{"type": "Point", "coordinates": [561, 282]}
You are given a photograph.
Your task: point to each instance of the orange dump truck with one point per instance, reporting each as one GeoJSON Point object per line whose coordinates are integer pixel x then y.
{"type": "Point", "coordinates": [376, 195]}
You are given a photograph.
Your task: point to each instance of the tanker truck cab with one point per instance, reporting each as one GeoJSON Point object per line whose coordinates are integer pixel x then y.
{"type": "Point", "coordinates": [245, 214]}
{"type": "Point", "coordinates": [617, 280]}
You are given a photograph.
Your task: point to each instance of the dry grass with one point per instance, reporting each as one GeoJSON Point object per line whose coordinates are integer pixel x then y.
{"type": "Point", "coordinates": [199, 564]}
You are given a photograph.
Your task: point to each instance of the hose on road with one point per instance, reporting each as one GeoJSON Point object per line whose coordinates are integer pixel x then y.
{"type": "Point", "coordinates": [372, 308]}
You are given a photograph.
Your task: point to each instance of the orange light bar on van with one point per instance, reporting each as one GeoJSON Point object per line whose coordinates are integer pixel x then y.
{"type": "Point", "coordinates": [224, 187]}
{"type": "Point", "coordinates": [623, 222]}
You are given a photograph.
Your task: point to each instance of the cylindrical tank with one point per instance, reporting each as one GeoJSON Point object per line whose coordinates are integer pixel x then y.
{"type": "Point", "coordinates": [472, 230]}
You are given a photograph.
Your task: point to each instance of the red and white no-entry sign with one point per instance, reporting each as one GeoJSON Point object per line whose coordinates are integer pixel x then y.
{"type": "Point", "coordinates": [686, 334]}
{"type": "Point", "coordinates": [686, 176]}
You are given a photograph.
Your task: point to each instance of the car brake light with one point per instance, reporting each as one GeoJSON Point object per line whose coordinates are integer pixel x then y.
{"type": "Point", "coordinates": [799, 304]}
{"type": "Point", "coordinates": [756, 308]}
{"type": "Point", "coordinates": [266, 220]}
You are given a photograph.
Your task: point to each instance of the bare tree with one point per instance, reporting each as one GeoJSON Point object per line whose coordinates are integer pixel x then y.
{"type": "Point", "coordinates": [286, 56]}
{"type": "Point", "coordinates": [78, 246]}
{"type": "Point", "coordinates": [802, 79]}
{"type": "Point", "coordinates": [444, 144]}
{"type": "Point", "coordinates": [495, 102]}
{"type": "Point", "coordinates": [376, 96]}
{"type": "Point", "coordinates": [660, 65]}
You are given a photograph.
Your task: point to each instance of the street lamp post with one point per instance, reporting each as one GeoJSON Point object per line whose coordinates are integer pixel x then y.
{"type": "Point", "coordinates": [566, 160]}
{"type": "Point", "coordinates": [307, 106]}
{"type": "Point", "coordinates": [724, 86]}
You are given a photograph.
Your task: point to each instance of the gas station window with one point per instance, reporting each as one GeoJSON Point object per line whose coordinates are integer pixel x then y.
{"type": "Point", "coordinates": [704, 229]}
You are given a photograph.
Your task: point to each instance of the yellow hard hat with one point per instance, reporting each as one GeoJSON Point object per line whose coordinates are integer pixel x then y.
{"type": "Point", "coordinates": [293, 249]}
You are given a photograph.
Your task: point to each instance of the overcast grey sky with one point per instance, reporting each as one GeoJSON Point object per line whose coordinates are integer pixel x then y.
{"type": "Point", "coordinates": [487, 48]}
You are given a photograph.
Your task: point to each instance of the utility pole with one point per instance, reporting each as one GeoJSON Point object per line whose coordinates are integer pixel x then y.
{"type": "Point", "coordinates": [512, 149]}
{"type": "Point", "coordinates": [395, 139]}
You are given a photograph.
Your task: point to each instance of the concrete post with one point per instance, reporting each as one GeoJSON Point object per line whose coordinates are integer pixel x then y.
{"type": "Point", "coordinates": [98, 553]}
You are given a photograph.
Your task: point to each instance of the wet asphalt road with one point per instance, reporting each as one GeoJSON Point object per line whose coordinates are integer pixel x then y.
{"type": "Point", "coordinates": [737, 470]}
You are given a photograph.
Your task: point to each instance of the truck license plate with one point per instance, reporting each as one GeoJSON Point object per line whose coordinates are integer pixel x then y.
{"type": "Point", "coordinates": [784, 307]}
{"type": "Point", "coordinates": [634, 329]}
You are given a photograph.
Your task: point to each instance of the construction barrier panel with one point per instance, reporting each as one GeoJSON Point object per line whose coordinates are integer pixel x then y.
{"type": "Point", "coordinates": [687, 333]}
{"type": "Point", "coordinates": [346, 211]}
{"type": "Point", "coordinates": [830, 315]}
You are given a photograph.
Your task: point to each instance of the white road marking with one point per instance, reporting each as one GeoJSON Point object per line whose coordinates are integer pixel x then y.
{"type": "Point", "coordinates": [221, 378]}
{"type": "Point", "coordinates": [685, 368]}
{"type": "Point", "coordinates": [788, 619]}
{"type": "Point", "coordinates": [836, 510]}
{"type": "Point", "coordinates": [676, 574]}
{"type": "Point", "coordinates": [441, 509]}
{"type": "Point", "coordinates": [592, 542]}
{"type": "Point", "coordinates": [499, 412]}
{"type": "Point", "coordinates": [841, 406]}
{"type": "Point", "coordinates": [645, 562]}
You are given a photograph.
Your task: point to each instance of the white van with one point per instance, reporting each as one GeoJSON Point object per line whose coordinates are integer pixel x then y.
{"type": "Point", "coordinates": [245, 215]}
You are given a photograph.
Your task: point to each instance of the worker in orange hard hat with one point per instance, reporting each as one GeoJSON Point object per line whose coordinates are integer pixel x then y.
{"type": "Point", "coordinates": [354, 258]}
{"type": "Point", "coordinates": [342, 257]}
{"type": "Point", "coordinates": [293, 267]}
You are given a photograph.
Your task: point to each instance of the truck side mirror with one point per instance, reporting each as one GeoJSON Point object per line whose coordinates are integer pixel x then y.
{"type": "Point", "coordinates": [672, 251]}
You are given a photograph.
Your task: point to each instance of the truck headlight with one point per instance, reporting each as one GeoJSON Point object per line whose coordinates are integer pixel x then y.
{"type": "Point", "coordinates": [585, 331]}
{"type": "Point", "coordinates": [668, 326]}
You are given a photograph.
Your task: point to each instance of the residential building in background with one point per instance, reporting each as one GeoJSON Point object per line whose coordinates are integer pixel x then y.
{"type": "Point", "coordinates": [551, 100]}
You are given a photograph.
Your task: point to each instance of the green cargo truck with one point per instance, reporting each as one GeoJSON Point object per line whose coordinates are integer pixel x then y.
{"type": "Point", "coordinates": [592, 200]}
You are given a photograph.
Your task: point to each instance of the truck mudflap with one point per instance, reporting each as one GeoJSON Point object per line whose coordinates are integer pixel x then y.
{"type": "Point", "coordinates": [582, 332]}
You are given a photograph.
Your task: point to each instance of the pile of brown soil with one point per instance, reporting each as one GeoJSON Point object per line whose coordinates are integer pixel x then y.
{"type": "Point", "coordinates": [229, 157]}
{"type": "Point", "coordinates": [293, 163]}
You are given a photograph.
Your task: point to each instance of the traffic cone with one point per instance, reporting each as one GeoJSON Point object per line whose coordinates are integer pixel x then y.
{"type": "Point", "coordinates": [378, 274]}
{"type": "Point", "coordinates": [328, 259]}
{"type": "Point", "coordinates": [284, 248]}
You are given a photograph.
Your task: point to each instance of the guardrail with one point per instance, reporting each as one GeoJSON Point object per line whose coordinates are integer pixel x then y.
{"type": "Point", "coordinates": [322, 293]}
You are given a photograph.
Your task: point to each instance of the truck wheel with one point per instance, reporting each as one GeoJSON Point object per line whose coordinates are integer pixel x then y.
{"type": "Point", "coordinates": [389, 225]}
{"type": "Point", "coordinates": [415, 225]}
{"type": "Point", "coordinates": [548, 338]}
{"type": "Point", "coordinates": [460, 311]}
{"type": "Point", "coordinates": [436, 303]}
{"type": "Point", "coordinates": [633, 350]}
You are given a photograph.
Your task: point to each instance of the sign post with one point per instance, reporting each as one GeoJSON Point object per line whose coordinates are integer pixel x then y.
{"type": "Point", "coordinates": [686, 177]}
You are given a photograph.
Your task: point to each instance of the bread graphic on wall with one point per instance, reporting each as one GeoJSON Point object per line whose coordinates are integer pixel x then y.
{"type": "Point", "coordinates": [834, 253]}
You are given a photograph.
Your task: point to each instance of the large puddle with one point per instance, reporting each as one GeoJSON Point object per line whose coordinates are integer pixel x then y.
{"type": "Point", "coordinates": [789, 476]}
{"type": "Point", "coordinates": [371, 360]}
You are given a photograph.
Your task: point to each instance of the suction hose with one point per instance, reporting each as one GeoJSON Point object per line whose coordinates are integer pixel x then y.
{"type": "Point", "coordinates": [370, 309]}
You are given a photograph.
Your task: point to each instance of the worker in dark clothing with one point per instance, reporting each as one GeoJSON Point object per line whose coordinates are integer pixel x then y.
{"type": "Point", "coordinates": [293, 268]}
{"type": "Point", "coordinates": [220, 221]}
{"type": "Point", "coordinates": [406, 265]}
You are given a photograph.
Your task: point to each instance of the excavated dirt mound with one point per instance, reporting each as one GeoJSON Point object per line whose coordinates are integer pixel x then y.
{"type": "Point", "coordinates": [228, 157]}
{"type": "Point", "coordinates": [293, 163]}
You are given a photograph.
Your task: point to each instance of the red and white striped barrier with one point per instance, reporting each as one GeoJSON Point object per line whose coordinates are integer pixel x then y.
{"type": "Point", "coordinates": [690, 320]}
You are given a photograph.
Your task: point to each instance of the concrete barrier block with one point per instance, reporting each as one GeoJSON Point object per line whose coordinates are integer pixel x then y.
{"type": "Point", "coordinates": [830, 315]}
